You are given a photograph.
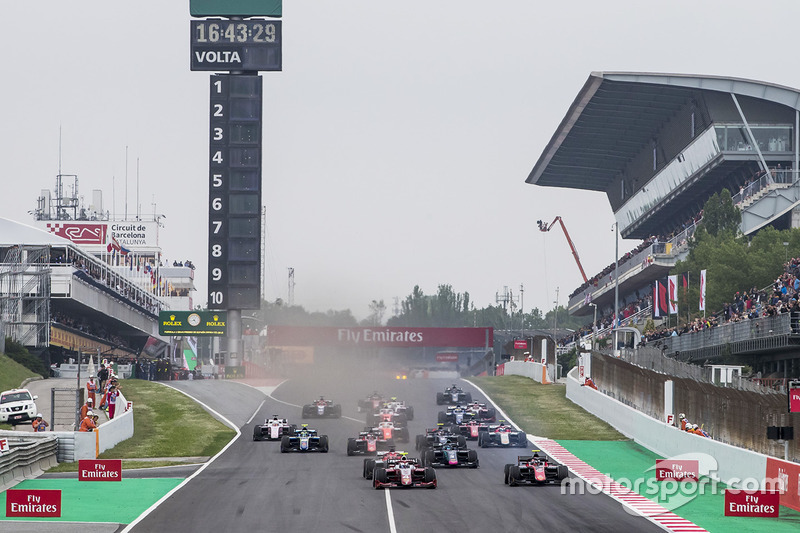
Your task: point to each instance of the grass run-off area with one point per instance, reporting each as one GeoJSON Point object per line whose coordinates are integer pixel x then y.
{"type": "Point", "coordinates": [544, 410]}
{"type": "Point", "coordinates": [12, 374]}
{"type": "Point", "coordinates": [166, 424]}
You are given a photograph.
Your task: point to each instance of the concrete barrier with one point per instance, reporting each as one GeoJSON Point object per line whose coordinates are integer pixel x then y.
{"type": "Point", "coordinates": [529, 369]}
{"type": "Point", "coordinates": [26, 459]}
{"type": "Point", "coordinates": [733, 464]}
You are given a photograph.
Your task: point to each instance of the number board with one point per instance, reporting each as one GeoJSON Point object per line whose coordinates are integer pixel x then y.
{"type": "Point", "coordinates": [234, 208]}
{"type": "Point", "coordinates": [248, 45]}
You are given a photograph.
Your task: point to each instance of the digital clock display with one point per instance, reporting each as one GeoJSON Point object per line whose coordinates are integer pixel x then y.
{"type": "Point", "coordinates": [236, 31]}
{"type": "Point", "coordinates": [236, 45]}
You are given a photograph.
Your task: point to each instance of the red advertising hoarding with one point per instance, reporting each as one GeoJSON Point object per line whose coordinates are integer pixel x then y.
{"type": "Point", "coordinates": [520, 345]}
{"type": "Point", "coordinates": [677, 469]}
{"type": "Point", "coordinates": [33, 503]}
{"type": "Point", "coordinates": [762, 503]}
{"type": "Point", "coordinates": [100, 470]}
{"type": "Point", "coordinates": [794, 397]}
{"type": "Point", "coordinates": [785, 477]}
{"type": "Point", "coordinates": [447, 357]}
{"type": "Point", "coordinates": [399, 337]}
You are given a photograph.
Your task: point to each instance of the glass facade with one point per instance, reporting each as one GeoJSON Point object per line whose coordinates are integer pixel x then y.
{"type": "Point", "coordinates": [770, 138]}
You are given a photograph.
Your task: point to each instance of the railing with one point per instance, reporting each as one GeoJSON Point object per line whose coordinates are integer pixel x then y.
{"type": "Point", "coordinates": [775, 176]}
{"type": "Point", "coordinates": [731, 332]}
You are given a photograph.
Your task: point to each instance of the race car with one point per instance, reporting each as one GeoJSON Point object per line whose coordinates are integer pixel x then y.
{"type": "Point", "coordinates": [440, 436]}
{"type": "Point", "coordinates": [371, 404]}
{"type": "Point", "coordinates": [453, 395]}
{"type": "Point", "coordinates": [456, 414]}
{"type": "Point", "coordinates": [383, 459]}
{"type": "Point", "coordinates": [449, 455]}
{"type": "Point", "coordinates": [502, 435]}
{"type": "Point", "coordinates": [400, 407]}
{"type": "Point", "coordinates": [535, 469]}
{"type": "Point", "coordinates": [273, 429]}
{"type": "Point", "coordinates": [392, 432]}
{"type": "Point", "coordinates": [369, 442]}
{"type": "Point", "coordinates": [304, 440]}
{"type": "Point", "coordinates": [386, 414]}
{"type": "Point", "coordinates": [322, 408]}
{"type": "Point", "coordinates": [472, 429]}
{"type": "Point", "coordinates": [404, 474]}
{"type": "Point", "coordinates": [481, 411]}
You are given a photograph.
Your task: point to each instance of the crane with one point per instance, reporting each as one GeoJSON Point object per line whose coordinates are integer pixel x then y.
{"type": "Point", "coordinates": [546, 227]}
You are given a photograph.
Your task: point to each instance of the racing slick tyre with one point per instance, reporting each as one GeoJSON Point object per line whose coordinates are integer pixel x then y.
{"type": "Point", "coordinates": [379, 476]}
{"type": "Point", "coordinates": [336, 411]}
{"type": "Point", "coordinates": [369, 466]}
{"type": "Point", "coordinates": [491, 413]}
{"type": "Point", "coordinates": [505, 473]}
{"type": "Point", "coordinates": [420, 442]}
{"type": "Point", "coordinates": [483, 438]}
{"type": "Point", "coordinates": [285, 440]}
{"type": "Point", "coordinates": [403, 437]}
{"type": "Point", "coordinates": [468, 397]}
{"type": "Point", "coordinates": [442, 417]}
{"type": "Point", "coordinates": [428, 458]}
{"type": "Point", "coordinates": [400, 420]}
{"type": "Point", "coordinates": [472, 457]}
{"type": "Point", "coordinates": [462, 441]}
{"type": "Point", "coordinates": [323, 443]}
{"type": "Point", "coordinates": [563, 473]}
{"type": "Point", "coordinates": [430, 476]}
{"type": "Point", "coordinates": [410, 413]}
{"type": "Point", "coordinates": [439, 398]}
{"type": "Point", "coordinates": [522, 440]}
{"type": "Point", "coordinates": [256, 433]}
{"type": "Point", "coordinates": [514, 475]}
{"type": "Point", "coordinates": [352, 447]}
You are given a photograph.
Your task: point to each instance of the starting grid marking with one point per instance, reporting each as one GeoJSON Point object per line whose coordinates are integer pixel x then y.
{"type": "Point", "coordinates": [644, 506]}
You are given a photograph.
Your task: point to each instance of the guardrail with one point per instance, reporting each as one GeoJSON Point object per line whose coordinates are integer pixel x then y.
{"type": "Point", "coordinates": [27, 458]}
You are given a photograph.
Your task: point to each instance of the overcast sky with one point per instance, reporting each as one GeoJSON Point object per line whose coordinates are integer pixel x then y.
{"type": "Point", "coordinates": [397, 139]}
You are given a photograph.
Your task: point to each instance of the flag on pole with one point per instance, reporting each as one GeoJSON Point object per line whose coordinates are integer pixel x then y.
{"type": "Point", "coordinates": [685, 280]}
{"type": "Point", "coordinates": [660, 298]}
{"type": "Point", "coordinates": [672, 284]}
{"type": "Point", "coordinates": [702, 290]}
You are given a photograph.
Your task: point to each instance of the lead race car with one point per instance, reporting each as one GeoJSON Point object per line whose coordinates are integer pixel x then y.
{"type": "Point", "coordinates": [322, 408]}
{"type": "Point", "coordinates": [273, 429]}
{"type": "Point", "coordinates": [535, 470]}
{"type": "Point", "coordinates": [404, 473]}
{"type": "Point", "coordinates": [502, 435]}
{"type": "Point", "coordinates": [304, 440]}
{"type": "Point", "coordinates": [453, 395]}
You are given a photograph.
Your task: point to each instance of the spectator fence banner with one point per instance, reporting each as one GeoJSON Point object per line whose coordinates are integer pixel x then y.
{"type": "Point", "coordinates": [702, 290]}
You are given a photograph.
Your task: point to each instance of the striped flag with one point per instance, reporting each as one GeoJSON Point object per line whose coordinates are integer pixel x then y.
{"type": "Point", "coordinates": [702, 290]}
{"type": "Point", "coordinates": [672, 289]}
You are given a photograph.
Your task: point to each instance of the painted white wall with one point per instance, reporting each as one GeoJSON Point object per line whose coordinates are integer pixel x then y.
{"type": "Point", "coordinates": [733, 464]}
{"type": "Point", "coordinates": [521, 368]}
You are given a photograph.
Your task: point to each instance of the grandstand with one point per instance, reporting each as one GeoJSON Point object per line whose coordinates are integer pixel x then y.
{"type": "Point", "coordinates": [660, 145]}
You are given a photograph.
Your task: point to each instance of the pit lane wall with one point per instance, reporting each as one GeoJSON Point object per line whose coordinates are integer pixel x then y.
{"type": "Point", "coordinates": [734, 464]}
{"type": "Point", "coordinates": [529, 369]}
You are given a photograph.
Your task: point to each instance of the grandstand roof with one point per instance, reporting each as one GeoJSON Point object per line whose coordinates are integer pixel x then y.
{"type": "Point", "coordinates": [616, 114]}
{"type": "Point", "coordinates": [14, 233]}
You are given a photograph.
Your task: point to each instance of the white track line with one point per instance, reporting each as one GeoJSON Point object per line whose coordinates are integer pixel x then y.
{"type": "Point", "coordinates": [153, 507]}
{"type": "Point", "coordinates": [390, 512]}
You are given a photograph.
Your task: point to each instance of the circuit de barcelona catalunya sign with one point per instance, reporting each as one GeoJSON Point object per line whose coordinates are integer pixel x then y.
{"type": "Point", "coordinates": [400, 337]}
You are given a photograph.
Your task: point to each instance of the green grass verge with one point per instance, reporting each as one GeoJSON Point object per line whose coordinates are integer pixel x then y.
{"type": "Point", "coordinates": [166, 424]}
{"type": "Point", "coordinates": [544, 410]}
{"type": "Point", "coordinates": [12, 374]}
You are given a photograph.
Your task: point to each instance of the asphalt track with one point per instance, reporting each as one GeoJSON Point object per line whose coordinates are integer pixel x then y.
{"type": "Point", "coordinates": [253, 487]}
